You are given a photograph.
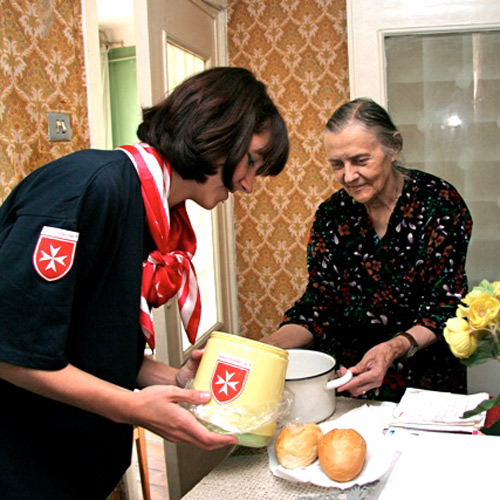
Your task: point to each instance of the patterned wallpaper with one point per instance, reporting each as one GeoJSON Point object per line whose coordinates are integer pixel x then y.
{"type": "Point", "coordinates": [299, 49]}
{"type": "Point", "coordinates": [41, 71]}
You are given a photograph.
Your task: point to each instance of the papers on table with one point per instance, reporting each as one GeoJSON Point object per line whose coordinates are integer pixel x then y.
{"type": "Point", "coordinates": [438, 411]}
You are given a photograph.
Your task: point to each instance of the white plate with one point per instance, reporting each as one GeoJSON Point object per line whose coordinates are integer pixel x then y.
{"type": "Point", "coordinates": [379, 455]}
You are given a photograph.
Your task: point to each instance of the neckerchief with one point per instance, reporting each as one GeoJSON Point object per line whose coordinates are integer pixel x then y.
{"type": "Point", "coordinates": [168, 270]}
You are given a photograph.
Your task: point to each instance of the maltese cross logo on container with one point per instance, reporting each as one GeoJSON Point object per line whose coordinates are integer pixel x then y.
{"type": "Point", "coordinates": [229, 378]}
{"type": "Point", "coordinates": [54, 252]}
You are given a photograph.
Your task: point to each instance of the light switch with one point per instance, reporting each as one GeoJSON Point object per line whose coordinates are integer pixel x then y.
{"type": "Point", "coordinates": [59, 127]}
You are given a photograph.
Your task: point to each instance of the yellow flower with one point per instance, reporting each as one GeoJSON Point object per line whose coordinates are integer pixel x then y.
{"type": "Point", "coordinates": [462, 311]}
{"type": "Point", "coordinates": [483, 310]}
{"type": "Point", "coordinates": [460, 337]}
{"type": "Point", "coordinates": [471, 296]}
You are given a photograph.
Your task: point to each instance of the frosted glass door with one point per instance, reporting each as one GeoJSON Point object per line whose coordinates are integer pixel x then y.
{"type": "Point", "coordinates": [447, 105]}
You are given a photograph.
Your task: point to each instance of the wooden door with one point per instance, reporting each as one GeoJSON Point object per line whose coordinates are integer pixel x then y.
{"type": "Point", "coordinates": [175, 38]}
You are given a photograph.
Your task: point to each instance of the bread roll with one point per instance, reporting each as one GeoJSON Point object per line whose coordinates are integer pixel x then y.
{"type": "Point", "coordinates": [342, 453]}
{"type": "Point", "coordinates": [297, 445]}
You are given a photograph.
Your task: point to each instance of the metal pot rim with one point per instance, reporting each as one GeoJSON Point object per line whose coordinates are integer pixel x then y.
{"type": "Point", "coordinates": [318, 375]}
{"type": "Point", "coordinates": [314, 375]}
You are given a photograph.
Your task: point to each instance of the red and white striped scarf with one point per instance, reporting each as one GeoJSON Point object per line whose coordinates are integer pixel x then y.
{"type": "Point", "coordinates": [168, 270]}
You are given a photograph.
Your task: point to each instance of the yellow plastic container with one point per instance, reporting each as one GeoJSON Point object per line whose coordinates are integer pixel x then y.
{"type": "Point", "coordinates": [246, 380]}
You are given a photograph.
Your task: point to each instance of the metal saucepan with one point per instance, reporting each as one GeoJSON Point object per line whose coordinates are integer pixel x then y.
{"type": "Point", "coordinates": [310, 376]}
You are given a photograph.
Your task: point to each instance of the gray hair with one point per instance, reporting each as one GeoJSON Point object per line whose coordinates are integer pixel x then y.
{"type": "Point", "coordinates": [374, 117]}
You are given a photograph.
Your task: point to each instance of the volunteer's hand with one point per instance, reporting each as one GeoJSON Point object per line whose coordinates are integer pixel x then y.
{"type": "Point", "coordinates": [158, 410]}
{"type": "Point", "coordinates": [188, 371]}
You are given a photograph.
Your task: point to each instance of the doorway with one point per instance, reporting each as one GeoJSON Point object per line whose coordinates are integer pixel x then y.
{"type": "Point", "coordinates": [168, 37]}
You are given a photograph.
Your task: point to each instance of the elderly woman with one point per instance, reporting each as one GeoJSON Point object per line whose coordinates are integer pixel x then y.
{"type": "Point", "coordinates": [386, 261]}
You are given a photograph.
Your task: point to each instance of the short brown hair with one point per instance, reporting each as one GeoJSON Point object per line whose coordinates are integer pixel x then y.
{"type": "Point", "coordinates": [210, 118]}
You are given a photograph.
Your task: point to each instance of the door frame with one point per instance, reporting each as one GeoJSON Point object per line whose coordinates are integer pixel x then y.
{"type": "Point", "coordinates": [92, 62]}
{"type": "Point", "coordinates": [149, 95]}
{"type": "Point", "coordinates": [223, 214]}
{"type": "Point", "coordinates": [186, 464]}
{"type": "Point", "coordinates": [167, 318]}
{"type": "Point", "coordinates": [177, 454]}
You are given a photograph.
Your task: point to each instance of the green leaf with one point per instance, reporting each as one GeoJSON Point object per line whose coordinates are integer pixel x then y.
{"type": "Point", "coordinates": [493, 429]}
{"type": "Point", "coordinates": [484, 406]}
{"type": "Point", "coordinates": [486, 350]}
{"type": "Point", "coordinates": [485, 286]}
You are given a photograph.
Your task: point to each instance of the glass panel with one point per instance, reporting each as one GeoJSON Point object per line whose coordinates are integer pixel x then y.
{"type": "Point", "coordinates": [180, 65]}
{"type": "Point", "coordinates": [204, 263]}
{"type": "Point", "coordinates": [447, 106]}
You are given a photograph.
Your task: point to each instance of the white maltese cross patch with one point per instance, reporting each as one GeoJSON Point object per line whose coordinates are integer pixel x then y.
{"type": "Point", "coordinates": [228, 380]}
{"type": "Point", "coordinates": [54, 252]}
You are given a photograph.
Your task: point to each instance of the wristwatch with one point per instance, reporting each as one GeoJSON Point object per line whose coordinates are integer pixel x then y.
{"type": "Point", "coordinates": [414, 344]}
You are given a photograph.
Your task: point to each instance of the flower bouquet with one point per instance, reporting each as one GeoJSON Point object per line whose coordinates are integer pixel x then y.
{"type": "Point", "coordinates": [473, 334]}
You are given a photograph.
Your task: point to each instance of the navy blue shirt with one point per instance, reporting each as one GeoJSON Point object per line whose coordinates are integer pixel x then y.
{"type": "Point", "coordinates": [88, 318]}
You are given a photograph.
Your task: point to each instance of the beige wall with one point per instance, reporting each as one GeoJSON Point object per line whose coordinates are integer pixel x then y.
{"type": "Point", "coordinates": [299, 49]}
{"type": "Point", "coordinates": [41, 71]}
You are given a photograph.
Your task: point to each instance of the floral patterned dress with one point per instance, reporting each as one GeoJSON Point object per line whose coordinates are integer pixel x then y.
{"type": "Point", "coordinates": [362, 289]}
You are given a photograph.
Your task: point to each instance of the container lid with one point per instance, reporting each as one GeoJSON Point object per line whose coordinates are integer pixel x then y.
{"type": "Point", "coordinates": [250, 343]}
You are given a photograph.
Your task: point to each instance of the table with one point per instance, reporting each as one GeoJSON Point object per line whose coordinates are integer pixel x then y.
{"type": "Point", "coordinates": [245, 474]}
{"type": "Point", "coordinates": [432, 465]}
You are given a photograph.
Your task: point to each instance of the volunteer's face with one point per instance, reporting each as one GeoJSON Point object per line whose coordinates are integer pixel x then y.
{"type": "Point", "coordinates": [360, 164]}
{"type": "Point", "coordinates": [213, 190]}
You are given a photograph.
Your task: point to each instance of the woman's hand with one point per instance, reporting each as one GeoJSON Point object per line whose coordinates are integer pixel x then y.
{"type": "Point", "coordinates": [157, 406]}
{"type": "Point", "coordinates": [188, 371]}
{"type": "Point", "coordinates": [369, 373]}
{"type": "Point", "coordinates": [154, 372]}
{"type": "Point", "coordinates": [157, 409]}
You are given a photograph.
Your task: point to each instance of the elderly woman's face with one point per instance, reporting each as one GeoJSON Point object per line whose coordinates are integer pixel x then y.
{"type": "Point", "coordinates": [360, 164]}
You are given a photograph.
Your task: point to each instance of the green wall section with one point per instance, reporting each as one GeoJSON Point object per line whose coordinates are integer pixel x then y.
{"type": "Point", "coordinates": [125, 111]}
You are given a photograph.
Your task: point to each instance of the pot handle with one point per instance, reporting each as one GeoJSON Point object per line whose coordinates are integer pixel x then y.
{"type": "Point", "coordinates": [337, 382]}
